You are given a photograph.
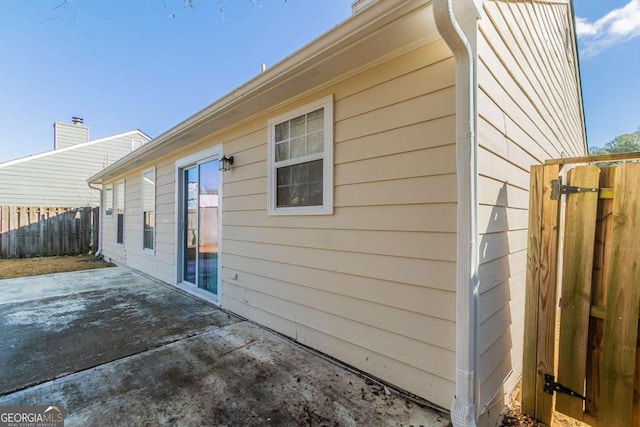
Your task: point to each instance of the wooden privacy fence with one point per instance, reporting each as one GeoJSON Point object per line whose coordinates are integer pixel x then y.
{"type": "Point", "coordinates": [41, 231]}
{"type": "Point", "coordinates": [584, 235]}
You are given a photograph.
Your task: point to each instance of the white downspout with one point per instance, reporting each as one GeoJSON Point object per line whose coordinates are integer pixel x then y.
{"type": "Point", "coordinates": [463, 406]}
{"type": "Point", "coordinates": [99, 249]}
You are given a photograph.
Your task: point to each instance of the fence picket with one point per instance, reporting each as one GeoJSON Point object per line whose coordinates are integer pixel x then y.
{"type": "Point", "coordinates": [623, 300]}
{"type": "Point", "coordinates": [580, 228]}
{"type": "Point", "coordinates": [45, 231]}
{"type": "Point", "coordinates": [541, 279]}
{"type": "Point", "coordinates": [601, 260]}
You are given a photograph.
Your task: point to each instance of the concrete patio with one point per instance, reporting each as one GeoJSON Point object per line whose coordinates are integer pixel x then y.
{"type": "Point", "coordinates": [115, 348]}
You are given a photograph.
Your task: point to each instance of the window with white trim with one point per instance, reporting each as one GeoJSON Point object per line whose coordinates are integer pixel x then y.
{"type": "Point", "coordinates": [300, 160]}
{"type": "Point", "coordinates": [120, 212]}
{"type": "Point", "coordinates": [108, 200]}
{"type": "Point", "coordinates": [148, 209]}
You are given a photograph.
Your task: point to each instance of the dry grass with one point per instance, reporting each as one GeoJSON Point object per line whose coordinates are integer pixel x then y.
{"type": "Point", "coordinates": [22, 267]}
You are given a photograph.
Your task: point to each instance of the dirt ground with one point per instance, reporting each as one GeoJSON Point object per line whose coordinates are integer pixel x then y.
{"type": "Point", "coordinates": [22, 267]}
{"type": "Point", "coordinates": [514, 417]}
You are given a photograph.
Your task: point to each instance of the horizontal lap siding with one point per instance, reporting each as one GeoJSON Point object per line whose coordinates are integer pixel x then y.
{"type": "Point", "coordinates": [60, 178]}
{"type": "Point", "coordinates": [373, 284]}
{"type": "Point", "coordinates": [529, 110]}
{"type": "Point", "coordinates": [161, 263]}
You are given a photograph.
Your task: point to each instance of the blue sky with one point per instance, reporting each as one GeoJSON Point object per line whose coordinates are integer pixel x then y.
{"type": "Point", "coordinates": [149, 64]}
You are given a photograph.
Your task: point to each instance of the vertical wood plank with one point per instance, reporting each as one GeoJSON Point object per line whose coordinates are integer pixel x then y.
{"type": "Point", "coordinates": [541, 274]}
{"type": "Point", "coordinates": [529, 373]}
{"type": "Point", "coordinates": [575, 302]}
{"type": "Point", "coordinates": [55, 232]}
{"type": "Point", "coordinates": [601, 257]}
{"type": "Point", "coordinates": [547, 295]}
{"type": "Point", "coordinates": [623, 300]}
{"type": "Point", "coordinates": [4, 243]}
{"type": "Point", "coordinates": [34, 225]}
{"type": "Point", "coordinates": [13, 225]}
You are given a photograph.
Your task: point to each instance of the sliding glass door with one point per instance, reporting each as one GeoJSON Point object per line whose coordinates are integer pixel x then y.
{"type": "Point", "coordinates": [199, 222]}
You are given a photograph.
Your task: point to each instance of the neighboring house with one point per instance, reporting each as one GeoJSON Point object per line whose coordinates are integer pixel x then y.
{"type": "Point", "coordinates": [58, 178]}
{"type": "Point", "coordinates": [376, 206]}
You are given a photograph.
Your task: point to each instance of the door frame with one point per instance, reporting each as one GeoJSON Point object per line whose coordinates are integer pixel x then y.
{"type": "Point", "coordinates": [211, 153]}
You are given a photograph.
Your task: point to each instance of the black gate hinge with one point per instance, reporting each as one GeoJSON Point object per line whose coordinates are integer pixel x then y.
{"type": "Point", "coordinates": [557, 189]}
{"type": "Point", "coordinates": [551, 386]}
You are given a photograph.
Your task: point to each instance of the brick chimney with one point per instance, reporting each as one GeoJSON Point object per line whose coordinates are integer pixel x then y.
{"type": "Point", "coordinates": [66, 134]}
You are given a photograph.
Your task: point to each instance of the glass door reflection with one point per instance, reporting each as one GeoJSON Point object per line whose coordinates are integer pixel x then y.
{"type": "Point", "coordinates": [200, 219]}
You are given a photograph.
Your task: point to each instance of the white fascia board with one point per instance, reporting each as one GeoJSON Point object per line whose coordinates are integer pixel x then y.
{"type": "Point", "coordinates": [357, 27]}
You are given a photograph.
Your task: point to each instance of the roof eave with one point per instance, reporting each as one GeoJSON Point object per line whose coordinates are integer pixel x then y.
{"type": "Point", "coordinates": [358, 27]}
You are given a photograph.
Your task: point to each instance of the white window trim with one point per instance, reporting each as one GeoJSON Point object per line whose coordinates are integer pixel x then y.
{"type": "Point", "coordinates": [155, 192]}
{"type": "Point", "coordinates": [106, 214]}
{"type": "Point", "coordinates": [327, 155]}
{"type": "Point", "coordinates": [115, 211]}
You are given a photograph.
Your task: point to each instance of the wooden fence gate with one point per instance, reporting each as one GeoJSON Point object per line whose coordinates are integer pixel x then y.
{"type": "Point", "coordinates": [27, 231]}
{"type": "Point", "coordinates": [584, 235]}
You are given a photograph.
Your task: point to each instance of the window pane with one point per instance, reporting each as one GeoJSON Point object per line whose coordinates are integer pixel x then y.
{"type": "Point", "coordinates": [148, 191]}
{"type": "Point", "coordinates": [300, 185]}
{"type": "Point", "coordinates": [282, 131]}
{"type": "Point", "coordinates": [284, 176]}
{"type": "Point", "coordinates": [299, 195]}
{"type": "Point", "coordinates": [315, 142]}
{"type": "Point", "coordinates": [315, 193]}
{"type": "Point", "coordinates": [315, 120]}
{"type": "Point", "coordinates": [149, 226]}
{"type": "Point", "coordinates": [300, 173]}
{"type": "Point", "coordinates": [298, 127]}
{"type": "Point", "coordinates": [120, 196]}
{"type": "Point", "coordinates": [315, 171]}
{"type": "Point", "coordinates": [120, 228]}
{"type": "Point", "coordinates": [282, 151]}
{"type": "Point", "coordinates": [108, 200]}
{"type": "Point", "coordinates": [284, 198]}
{"type": "Point", "coordinates": [298, 147]}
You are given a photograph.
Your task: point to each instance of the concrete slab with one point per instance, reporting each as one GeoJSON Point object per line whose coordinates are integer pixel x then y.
{"type": "Point", "coordinates": [222, 371]}
{"type": "Point", "coordinates": [90, 320]}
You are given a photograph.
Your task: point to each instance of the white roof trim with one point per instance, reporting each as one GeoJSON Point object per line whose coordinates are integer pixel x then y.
{"type": "Point", "coordinates": [352, 30]}
{"type": "Point", "coordinates": [73, 147]}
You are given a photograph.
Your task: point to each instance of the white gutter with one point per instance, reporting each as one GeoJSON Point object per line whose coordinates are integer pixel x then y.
{"type": "Point", "coordinates": [463, 406]}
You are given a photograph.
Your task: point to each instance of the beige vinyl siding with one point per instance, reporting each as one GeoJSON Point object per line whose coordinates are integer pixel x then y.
{"type": "Point", "coordinates": [529, 110]}
{"type": "Point", "coordinates": [59, 177]}
{"type": "Point", "coordinates": [373, 284]}
{"type": "Point", "coordinates": [160, 263]}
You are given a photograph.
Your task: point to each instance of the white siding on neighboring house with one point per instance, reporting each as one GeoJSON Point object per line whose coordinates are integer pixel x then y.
{"type": "Point", "coordinates": [59, 177]}
{"type": "Point", "coordinates": [529, 110]}
{"type": "Point", "coordinates": [67, 135]}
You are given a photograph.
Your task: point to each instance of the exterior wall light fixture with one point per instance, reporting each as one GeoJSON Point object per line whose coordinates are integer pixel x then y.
{"type": "Point", "coordinates": [225, 163]}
